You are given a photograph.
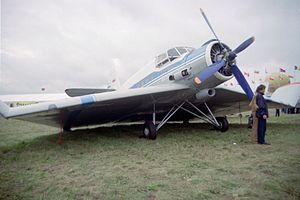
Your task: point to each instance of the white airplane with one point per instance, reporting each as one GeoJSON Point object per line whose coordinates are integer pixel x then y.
{"type": "Point", "coordinates": [182, 83]}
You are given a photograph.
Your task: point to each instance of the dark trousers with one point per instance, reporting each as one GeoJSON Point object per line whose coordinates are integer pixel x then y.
{"type": "Point", "coordinates": [277, 113]}
{"type": "Point", "coordinates": [261, 130]}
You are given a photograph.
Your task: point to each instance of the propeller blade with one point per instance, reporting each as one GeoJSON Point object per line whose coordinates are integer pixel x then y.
{"type": "Point", "coordinates": [242, 81]}
{"type": "Point", "coordinates": [209, 71]}
{"type": "Point", "coordinates": [244, 45]}
{"type": "Point", "coordinates": [212, 30]}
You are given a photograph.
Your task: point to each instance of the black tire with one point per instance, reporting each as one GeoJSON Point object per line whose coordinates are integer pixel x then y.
{"type": "Point", "coordinates": [250, 122]}
{"type": "Point", "coordinates": [224, 125]}
{"type": "Point", "coordinates": [149, 130]}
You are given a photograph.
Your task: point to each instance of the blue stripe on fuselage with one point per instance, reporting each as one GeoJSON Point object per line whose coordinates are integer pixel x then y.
{"type": "Point", "coordinates": [149, 79]}
{"type": "Point", "coordinates": [87, 99]}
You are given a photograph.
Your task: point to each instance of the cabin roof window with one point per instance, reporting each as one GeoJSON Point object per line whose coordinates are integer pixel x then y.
{"type": "Point", "coordinates": [173, 53]}
{"type": "Point", "coordinates": [181, 50]}
{"type": "Point", "coordinates": [190, 49]}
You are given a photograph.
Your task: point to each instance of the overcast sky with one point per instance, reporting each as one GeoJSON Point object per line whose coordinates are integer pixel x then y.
{"type": "Point", "coordinates": [58, 44]}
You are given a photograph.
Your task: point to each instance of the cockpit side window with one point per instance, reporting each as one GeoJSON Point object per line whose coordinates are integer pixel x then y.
{"type": "Point", "coordinates": [161, 60]}
{"type": "Point", "coordinates": [173, 54]}
{"type": "Point", "coordinates": [161, 57]}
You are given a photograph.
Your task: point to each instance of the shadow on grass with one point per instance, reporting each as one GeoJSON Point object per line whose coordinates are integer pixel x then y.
{"type": "Point", "coordinates": [128, 134]}
{"type": "Point", "coordinates": [121, 133]}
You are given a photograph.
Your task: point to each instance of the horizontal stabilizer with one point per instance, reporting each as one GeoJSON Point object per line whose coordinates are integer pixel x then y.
{"type": "Point", "coordinates": [75, 92]}
{"type": "Point", "coordinates": [4, 109]}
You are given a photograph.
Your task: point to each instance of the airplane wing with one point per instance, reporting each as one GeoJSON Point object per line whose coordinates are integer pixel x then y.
{"type": "Point", "coordinates": [95, 108]}
{"type": "Point", "coordinates": [34, 98]}
{"type": "Point", "coordinates": [229, 100]}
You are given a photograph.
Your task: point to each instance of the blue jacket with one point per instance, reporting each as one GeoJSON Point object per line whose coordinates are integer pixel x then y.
{"type": "Point", "coordinates": [262, 106]}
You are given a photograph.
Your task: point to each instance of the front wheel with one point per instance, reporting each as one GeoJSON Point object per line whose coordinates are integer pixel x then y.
{"type": "Point", "coordinates": [149, 131]}
{"type": "Point", "coordinates": [223, 122]}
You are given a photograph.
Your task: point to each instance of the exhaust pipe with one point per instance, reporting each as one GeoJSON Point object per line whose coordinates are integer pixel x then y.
{"type": "Point", "coordinates": [205, 94]}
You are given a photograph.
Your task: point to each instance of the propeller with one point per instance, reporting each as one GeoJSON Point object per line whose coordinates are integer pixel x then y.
{"type": "Point", "coordinates": [228, 61]}
{"type": "Point", "coordinates": [232, 55]}
{"type": "Point", "coordinates": [244, 45]}
{"type": "Point", "coordinates": [242, 81]}
{"type": "Point", "coordinates": [211, 28]}
{"type": "Point", "coordinates": [209, 71]}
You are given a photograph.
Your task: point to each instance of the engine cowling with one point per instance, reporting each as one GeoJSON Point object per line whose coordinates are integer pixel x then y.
{"type": "Point", "coordinates": [214, 54]}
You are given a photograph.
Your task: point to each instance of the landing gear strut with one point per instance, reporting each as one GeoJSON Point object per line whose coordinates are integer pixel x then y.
{"type": "Point", "coordinates": [150, 128]}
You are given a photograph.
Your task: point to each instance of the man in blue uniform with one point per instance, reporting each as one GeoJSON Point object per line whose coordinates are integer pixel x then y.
{"type": "Point", "coordinates": [262, 114]}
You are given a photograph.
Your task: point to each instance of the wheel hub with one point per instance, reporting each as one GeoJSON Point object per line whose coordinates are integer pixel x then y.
{"type": "Point", "coordinates": [146, 131]}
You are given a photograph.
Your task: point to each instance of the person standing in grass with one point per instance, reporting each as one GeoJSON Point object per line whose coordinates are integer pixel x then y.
{"type": "Point", "coordinates": [254, 108]}
{"type": "Point", "coordinates": [277, 114]}
{"type": "Point", "coordinates": [262, 114]}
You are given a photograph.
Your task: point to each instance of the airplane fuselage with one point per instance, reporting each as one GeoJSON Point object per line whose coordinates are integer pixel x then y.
{"type": "Point", "coordinates": [180, 70]}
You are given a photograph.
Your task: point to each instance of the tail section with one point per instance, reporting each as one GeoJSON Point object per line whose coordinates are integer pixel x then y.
{"type": "Point", "coordinates": [114, 82]}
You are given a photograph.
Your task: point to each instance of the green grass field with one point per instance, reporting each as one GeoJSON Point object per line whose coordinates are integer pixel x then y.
{"type": "Point", "coordinates": [191, 162]}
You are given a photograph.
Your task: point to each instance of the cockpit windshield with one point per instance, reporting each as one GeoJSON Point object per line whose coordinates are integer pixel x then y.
{"type": "Point", "coordinates": [171, 55]}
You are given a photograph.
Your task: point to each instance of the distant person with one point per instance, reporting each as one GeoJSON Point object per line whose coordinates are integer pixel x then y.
{"type": "Point", "coordinates": [293, 110]}
{"type": "Point", "coordinates": [254, 108]}
{"type": "Point", "coordinates": [262, 114]}
{"type": "Point", "coordinates": [277, 114]}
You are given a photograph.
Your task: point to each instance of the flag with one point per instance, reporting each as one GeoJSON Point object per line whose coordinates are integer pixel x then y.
{"type": "Point", "coordinates": [256, 71]}
{"type": "Point", "coordinates": [246, 74]}
{"type": "Point", "coordinates": [282, 69]}
{"type": "Point", "coordinates": [290, 76]}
